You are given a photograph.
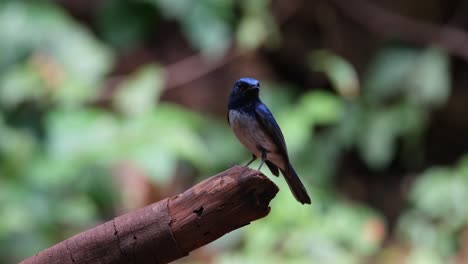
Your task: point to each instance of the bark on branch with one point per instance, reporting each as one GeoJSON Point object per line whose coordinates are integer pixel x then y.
{"type": "Point", "coordinates": [171, 228]}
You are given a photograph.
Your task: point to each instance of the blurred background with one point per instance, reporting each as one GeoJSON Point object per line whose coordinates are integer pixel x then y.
{"type": "Point", "coordinates": [107, 106]}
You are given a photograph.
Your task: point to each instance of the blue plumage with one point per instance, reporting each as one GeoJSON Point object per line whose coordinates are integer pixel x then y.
{"type": "Point", "coordinates": [256, 128]}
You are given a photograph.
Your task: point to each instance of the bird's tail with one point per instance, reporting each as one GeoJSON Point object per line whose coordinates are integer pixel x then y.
{"type": "Point", "coordinates": [296, 186]}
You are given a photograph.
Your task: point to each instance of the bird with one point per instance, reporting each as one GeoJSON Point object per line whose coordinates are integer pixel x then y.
{"type": "Point", "coordinates": [255, 127]}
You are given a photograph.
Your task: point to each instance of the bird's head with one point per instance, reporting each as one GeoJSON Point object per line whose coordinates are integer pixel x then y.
{"type": "Point", "coordinates": [246, 87]}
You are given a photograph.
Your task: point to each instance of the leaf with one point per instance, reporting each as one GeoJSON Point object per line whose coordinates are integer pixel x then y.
{"type": "Point", "coordinates": [429, 83]}
{"type": "Point", "coordinates": [388, 72]}
{"type": "Point", "coordinates": [314, 108]}
{"type": "Point", "coordinates": [462, 167]}
{"type": "Point", "coordinates": [422, 234]}
{"type": "Point", "coordinates": [76, 210]}
{"type": "Point", "coordinates": [44, 35]}
{"type": "Point", "coordinates": [19, 84]}
{"type": "Point", "coordinates": [377, 138]}
{"type": "Point", "coordinates": [422, 76]}
{"type": "Point", "coordinates": [439, 194]}
{"type": "Point", "coordinates": [17, 149]}
{"type": "Point", "coordinates": [438, 213]}
{"type": "Point", "coordinates": [159, 139]}
{"type": "Point", "coordinates": [424, 256]}
{"type": "Point", "coordinates": [252, 32]}
{"type": "Point", "coordinates": [85, 134]}
{"type": "Point", "coordinates": [173, 8]}
{"type": "Point", "coordinates": [321, 107]}
{"type": "Point", "coordinates": [341, 73]}
{"type": "Point", "coordinates": [125, 23]}
{"type": "Point", "coordinates": [204, 23]}
{"type": "Point", "coordinates": [206, 31]}
{"type": "Point", "coordinates": [139, 93]}
{"type": "Point", "coordinates": [257, 26]}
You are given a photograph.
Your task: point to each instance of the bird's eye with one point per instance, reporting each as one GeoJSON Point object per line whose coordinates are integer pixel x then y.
{"type": "Point", "coordinates": [242, 87]}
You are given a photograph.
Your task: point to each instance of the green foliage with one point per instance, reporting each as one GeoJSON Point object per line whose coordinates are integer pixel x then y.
{"type": "Point", "coordinates": [329, 231]}
{"type": "Point", "coordinates": [256, 27]}
{"type": "Point", "coordinates": [59, 145]}
{"type": "Point", "coordinates": [342, 74]}
{"type": "Point", "coordinates": [438, 212]}
{"type": "Point", "coordinates": [212, 34]}
{"type": "Point", "coordinates": [38, 54]}
{"type": "Point", "coordinates": [139, 94]}
{"type": "Point", "coordinates": [401, 89]}
{"type": "Point", "coordinates": [55, 164]}
{"type": "Point", "coordinates": [422, 77]}
{"type": "Point", "coordinates": [398, 93]}
{"type": "Point", "coordinates": [124, 24]}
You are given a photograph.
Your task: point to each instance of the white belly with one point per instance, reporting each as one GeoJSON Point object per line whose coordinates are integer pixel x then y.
{"type": "Point", "coordinates": [251, 135]}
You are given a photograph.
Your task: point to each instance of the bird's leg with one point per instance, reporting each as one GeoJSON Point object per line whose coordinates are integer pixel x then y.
{"type": "Point", "coordinates": [264, 157]}
{"type": "Point", "coordinates": [252, 160]}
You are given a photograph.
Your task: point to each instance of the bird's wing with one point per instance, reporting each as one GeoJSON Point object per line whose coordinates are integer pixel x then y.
{"type": "Point", "coordinates": [229, 122]}
{"type": "Point", "coordinates": [267, 121]}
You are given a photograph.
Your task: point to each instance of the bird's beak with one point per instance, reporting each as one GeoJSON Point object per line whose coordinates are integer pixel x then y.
{"type": "Point", "coordinates": [252, 89]}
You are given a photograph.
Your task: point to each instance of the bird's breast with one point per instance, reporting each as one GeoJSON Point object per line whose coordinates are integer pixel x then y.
{"type": "Point", "coordinates": [252, 136]}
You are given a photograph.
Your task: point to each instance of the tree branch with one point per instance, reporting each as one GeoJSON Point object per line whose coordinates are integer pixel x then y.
{"type": "Point", "coordinates": [169, 229]}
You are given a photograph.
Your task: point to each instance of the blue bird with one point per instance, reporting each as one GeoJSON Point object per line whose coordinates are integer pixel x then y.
{"type": "Point", "coordinates": [256, 128]}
